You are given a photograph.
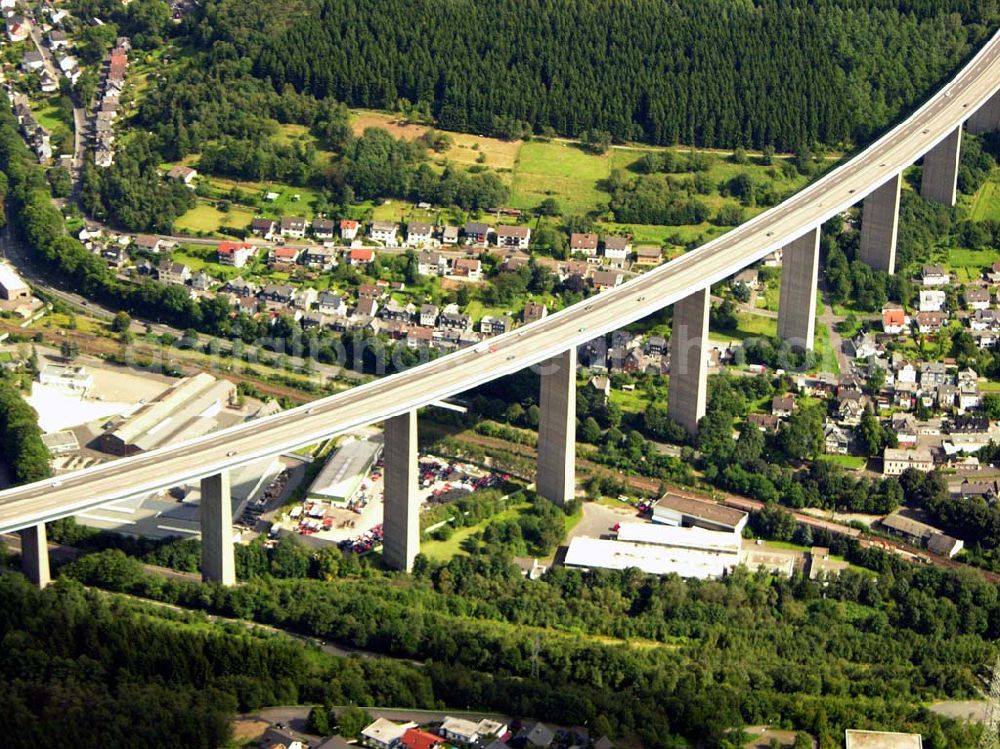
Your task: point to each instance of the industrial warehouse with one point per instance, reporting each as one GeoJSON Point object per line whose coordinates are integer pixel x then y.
{"type": "Point", "coordinates": [185, 410]}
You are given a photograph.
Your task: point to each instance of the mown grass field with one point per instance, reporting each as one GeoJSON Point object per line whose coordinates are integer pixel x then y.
{"type": "Point", "coordinates": [443, 551]}
{"type": "Point", "coordinates": [985, 205]}
{"type": "Point", "coordinates": [562, 171]}
{"type": "Point", "coordinates": [206, 218]}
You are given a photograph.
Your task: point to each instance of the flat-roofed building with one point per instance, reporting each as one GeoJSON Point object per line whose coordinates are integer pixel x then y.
{"type": "Point", "coordinates": [186, 409]}
{"type": "Point", "coordinates": [75, 379]}
{"type": "Point", "coordinates": [673, 509]}
{"type": "Point", "coordinates": [61, 442]}
{"type": "Point", "coordinates": [11, 284]}
{"type": "Point", "coordinates": [701, 539]}
{"type": "Point", "coordinates": [854, 739]}
{"type": "Point", "coordinates": [597, 553]}
{"type": "Point", "coordinates": [345, 470]}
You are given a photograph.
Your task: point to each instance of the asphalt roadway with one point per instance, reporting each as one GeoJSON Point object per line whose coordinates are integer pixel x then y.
{"type": "Point", "coordinates": [537, 342]}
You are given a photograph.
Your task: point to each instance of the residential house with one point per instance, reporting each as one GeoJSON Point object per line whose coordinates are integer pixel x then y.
{"type": "Point", "coordinates": [277, 295]}
{"type": "Point", "coordinates": [236, 254]}
{"type": "Point", "coordinates": [359, 256]}
{"type": "Point", "coordinates": [862, 346]}
{"type": "Point", "coordinates": [836, 440]}
{"type": "Point", "coordinates": [583, 243]}
{"type": "Point", "coordinates": [348, 229]}
{"type": "Point", "coordinates": [602, 384]}
{"type": "Point", "coordinates": [764, 422]}
{"type": "Point", "coordinates": [934, 275]}
{"type": "Point", "coordinates": [175, 273]}
{"type": "Point", "coordinates": [616, 250]}
{"type": "Point", "coordinates": [944, 545]}
{"type": "Point", "coordinates": [322, 228]}
{"type": "Point", "coordinates": [319, 258]}
{"type": "Point", "coordinates": [851, 406]}
{"type": "Point", "coordinates": [470, 268]}
{"type": "Point", "coordinates": [656, 346]}
{"type": "Point", "coordinates": [648, 255]}
{"type": "Point", "coordinates": [477, 234]}
{"type": "Point", "coordinates": [148, 243]}
{"type": "Point", "coordinates": [292, 227]}
{"type": "Point", "coordinates": [462, 731]}
{"type": "Point", "coordinates": [366, 307]}
{"type": "Point", "coordinates": [536, 735]}
{"type": "Point", "coordinates": [449, 320]}
{"type": "Point", "coordinates": [895, 461]}
{"type": "Point", "coordinates": [513, 236]}
{"type": "Point", "coordinates": [985, 319]}
{"type": "Point", "coordinates": [58, 39]}
{"type": "Point", "coordinates": [239, 288]}
{"type": "Point", "coordinates": [419, 337]}
{"type": "Point", "coordinates": [533, 311]}
{"type": "Point", "coordinates": [976, 298]}
{"type": "Point", "coordinates": [201, 281]}
{"type": "Point", "coordinates": [285, 257]}
{"type": "Point", "coordinates": [384, 734]}
{"type": "Point", "coordinates": [968, 390]}
{"type": "Point", "coordinates": [432, 263]}
{"type": "Point", "coordinates": [116, 256]}
{"type": "Point", "coordinates": [428, 315]}
{"type": "Point", "coordinates": [384, 232]}
{"type": "Point", "coordinates": [183, 174]}
{"type": "Point", "coordinates": [498, 325]}
{"type": "Point", "coordinates": [931, 322]}
{"type": "Point", "coordinates": [749, 277]}
{"type": "Point", "coordinates": [370, 291]}
{"type": "Point", "coordinates": [449, 235]}
{"type": "Point", "coordinates": [393, 310]}
{"type": "Point", "coordinates": [932, 300]}
{"type": "Point", "coordinates": [933, 374]}
{"type": "Point", "coordinates": [946, 396]}
{"type": "Point", "coordinates": [18, 28]}
{"type": "Point", "coordinates": [894, 320]}
{"type": "Point", "coordinates": [419, 234]}
{"type": "Point", "coordinates": [514, 262]}
{"type": "Point", "coordinates": [32, 62]}
{"type": "Point", "coordinates": [305, 298]}
{"type": "Point", "coordinates": [606, 279]}
{"type": "Point", "coordinates": [417, 739]}
{"type": "Point", "coordinates": [330, 303]}
{"type": "Point", "coordinates": [782, 406]}
{"type": "Point", "coordinates": [905, 428]}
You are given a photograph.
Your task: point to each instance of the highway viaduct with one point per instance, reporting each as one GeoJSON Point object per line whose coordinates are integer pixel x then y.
{"type": "Point", "coordinates": [933, 132]}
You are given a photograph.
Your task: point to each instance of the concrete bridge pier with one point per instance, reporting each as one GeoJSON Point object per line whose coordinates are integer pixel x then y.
{"type": "Point", "coordinates": [880, 225]}
{"type": "Point", "coordinates": [986, 119]}
{"type": "Point", "coordinates": [401, 521]}
{"type": "Point", "coordinates": [218, 560]}
{"type": "Point", "coordinates": [797, 303]}
{"type": "Point", "coordinates": [689, 361]}
{"type": "Point", "coordinates": [940, 177]}
{"type": "Point", "coordinates": [35, 555]}
{"type": "Point", "coordinates": [556, 480]}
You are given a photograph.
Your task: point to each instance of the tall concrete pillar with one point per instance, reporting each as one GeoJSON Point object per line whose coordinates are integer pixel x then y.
{"type": "Point", "coordinates": [797, 303]}
{"type": "Point", "coordinates": [940, 178]}
{"type": "Point", "coordinates": [880, 225]}
{"type": "Point", "coordinates": [688, 361]}
{"type": "Point", "coordinates": [218, 562]}
{"type": "Point", "coordinates": [401, 520]}
{"type": "Point", "coordinates": [35, 555]}
{"type": "Point", "coordinates": [556, 479]}
{"type": "Point", "coordinates": [987, 118]}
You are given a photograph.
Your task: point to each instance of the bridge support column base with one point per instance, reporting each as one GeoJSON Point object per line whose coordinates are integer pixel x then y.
{"type": "Point", "coordinates": [880, 226]}
{"type": "Point", "coordinates": [556, 479]}
{"type": "Point", "coordinates": [688, 361]}
{"type": "Point", "coordinates": [940, 177]}
{"type": "Point", "coordinates": [797, 303]}
{"type": "Point", "coordinates": [218, 561]}
{"type": "Point", "coordinates": [987, 118]}
{"type": "Point", "coordinates": [401, 521]}
{"type": "Point", "coordinates": [35, 555]}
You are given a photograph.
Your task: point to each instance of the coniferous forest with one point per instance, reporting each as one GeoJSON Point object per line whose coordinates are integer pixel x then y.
{"type": "Point", "coordinates": [700, 72]}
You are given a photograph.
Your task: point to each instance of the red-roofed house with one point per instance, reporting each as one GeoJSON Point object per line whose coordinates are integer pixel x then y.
{"type": "Point", "coordinates": [894, 320]}
{"type": "Point", "coordinates": [348, 229]}
{"type": "Point", "coordinates": [360, 257]}
{"type": "Point", "coordinates": [235, 253]}
{"type": "Point", "coordinates": [414, 738]}
{"type": "Point", "coordinates": [285, 256]}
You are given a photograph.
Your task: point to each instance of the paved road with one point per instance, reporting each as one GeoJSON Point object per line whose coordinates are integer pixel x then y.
{"type": "Point", "coordinates": [537, 342]}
